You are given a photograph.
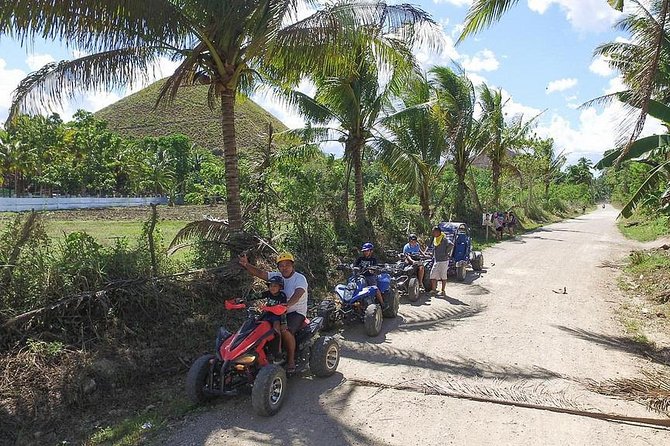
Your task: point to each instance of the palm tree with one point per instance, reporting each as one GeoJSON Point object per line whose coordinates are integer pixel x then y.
{"type": "Point", "coordinates": [653, 151]}
{"type": "Point", "coordinates": [456, 100]}
{"type": "Point", "coordinates": [352, 94]}
{"type": "Point", "coordinates": [224, 44]}
{"type": "Point", "coordinates": [413, 153]}
{"type": "Point", "coordinates": [483, 13]}
{"type": "Point", "coordinates": [501, 136]}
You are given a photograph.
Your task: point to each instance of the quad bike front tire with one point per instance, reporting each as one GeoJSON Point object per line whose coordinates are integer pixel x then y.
{"type": "Point", "coordinates": [478, 261]}
{"type": "Point", "coordinates": [326, 311]}
{"type": "Point", "coordinates": [269, 390]}
{"type": "Point", "coordinates": [324, 356]}
{"type": "Point", "coordinates": [427, 285]}
{"type": "Point", "coordinates": [196, 380]}
{"type": "Point", "coordinates": [461, 273]}
{"type": "Point", "coordinates": [373, 320]}
{"type": "Point", "coordinates": [413, 289]}
{"type": "Point", "coordinates": [393, 300]}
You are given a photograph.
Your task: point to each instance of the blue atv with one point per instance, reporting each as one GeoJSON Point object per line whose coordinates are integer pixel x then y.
{"type": "Point", "coordinates": [357, 301]}
{"type": "Point", "coordinates": [462, 255]}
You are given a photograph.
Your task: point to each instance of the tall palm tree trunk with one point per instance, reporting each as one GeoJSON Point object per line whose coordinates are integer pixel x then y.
{"type": "Point", "coordinates": [424, 200]}
{"type": "Point", "coordinates": [358, 185]}
{"type": "Point", "coordinates": [461, 190]}
{"type": "Point", "coordinates": [495, 169]}
{"type": "Point", "coordinates": [233, 207]}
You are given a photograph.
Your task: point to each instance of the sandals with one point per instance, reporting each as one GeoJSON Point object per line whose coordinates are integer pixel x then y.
{"type": "Point", "coordinates": [291, 369]}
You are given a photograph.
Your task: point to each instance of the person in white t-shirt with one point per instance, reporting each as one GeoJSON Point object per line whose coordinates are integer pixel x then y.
{"type": "Point", "coordinates": [295, 288]}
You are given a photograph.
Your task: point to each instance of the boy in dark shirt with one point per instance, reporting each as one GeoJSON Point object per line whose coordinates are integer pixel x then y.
{"type": "Point", "coordinates": [275, 296]}
{"type": "Point", "coordinates": [365, 261]}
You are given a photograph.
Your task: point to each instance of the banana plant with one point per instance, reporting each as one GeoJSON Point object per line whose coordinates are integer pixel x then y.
{"type": "Point", "coordinates": [652, 150]}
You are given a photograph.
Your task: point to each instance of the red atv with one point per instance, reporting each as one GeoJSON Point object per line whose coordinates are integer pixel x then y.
{"type": "Point", "coordinates": [245, 359]}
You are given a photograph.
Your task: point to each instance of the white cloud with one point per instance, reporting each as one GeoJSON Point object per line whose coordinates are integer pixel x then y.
{"type": "Point", "coordinates": [513, 108]}
{"type": "Point", "coordinates": [454, 2]}
{"type": "Point", "coordinates": [583, 15]}
{"type": "Point", "coordinates": [427, 58]}
{"type": "Point", "coordinates": [484, 60]}
{"type": "Point", "coordinates": [37, 61]}
{"type": "Point", "coordinates": [561, 85]}
{"type": "Point", "coordinates": [601, 67]}
{"type": "Point", "coordinates": [597, 131]}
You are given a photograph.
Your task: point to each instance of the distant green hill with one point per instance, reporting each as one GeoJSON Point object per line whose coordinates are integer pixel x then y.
{"type": "Point", "coordinates": [190, 115]}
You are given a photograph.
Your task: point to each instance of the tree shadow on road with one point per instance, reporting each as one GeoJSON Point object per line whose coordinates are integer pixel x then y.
{"type": "Point", "coordinates": [622, 343]}
{"type": "Point", "coordinates": [458, 366]}
{"type": "Point", "coordinates": [303, 419]}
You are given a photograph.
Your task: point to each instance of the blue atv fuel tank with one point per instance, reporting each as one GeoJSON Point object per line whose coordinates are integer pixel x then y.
{"type": "Point", "coordinates": [384, 282]}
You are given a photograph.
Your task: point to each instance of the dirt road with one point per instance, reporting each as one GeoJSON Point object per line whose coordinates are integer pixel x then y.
{"type": "Point", "coordinates": [510, 330]}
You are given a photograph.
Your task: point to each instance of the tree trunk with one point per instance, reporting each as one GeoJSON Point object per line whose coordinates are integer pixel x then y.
{"type": "Point", "coordinates": [358, 184]}
{"type": "Point", "coordinates": [495, 169]}
{"type": "Point", "coordinates": [461, 190]}
{"type": "Point", "coordinates": [233, 205]}
{"type": "Point", "coordinates": [474, 194]}
{"type": "Point", "coordinates": [345, 194]}
{"type": "Point", "coordinates": [424, 199]}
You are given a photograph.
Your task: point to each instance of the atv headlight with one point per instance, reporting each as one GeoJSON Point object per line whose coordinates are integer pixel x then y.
{"type": "Point", "coordinates": [246, 359]}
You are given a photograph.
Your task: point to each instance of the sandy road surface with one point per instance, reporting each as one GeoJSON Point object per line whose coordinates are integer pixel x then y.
{"type": "Point", "coordinates": [506, 329]}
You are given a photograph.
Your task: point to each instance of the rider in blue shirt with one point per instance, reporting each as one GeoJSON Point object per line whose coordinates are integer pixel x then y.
{"type": "Point", "coordinates": [413, 247]}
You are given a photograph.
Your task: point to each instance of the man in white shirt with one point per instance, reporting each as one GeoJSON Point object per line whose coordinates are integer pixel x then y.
{"type": "Point", "coordinates": [295, 288]}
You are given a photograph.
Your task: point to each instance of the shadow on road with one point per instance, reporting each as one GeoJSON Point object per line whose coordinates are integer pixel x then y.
{"type": "Point", "coordinates": [459, 366]}
{"type": "Point", "coordinates": [303, 419]}
{"type": "Point", "coordinates": [621, 343]}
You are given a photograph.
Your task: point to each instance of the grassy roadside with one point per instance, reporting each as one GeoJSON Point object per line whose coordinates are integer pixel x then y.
{"type": "Point", "coordinates": [644, 229]}
{"type": "Point", "coordinates": [646, 279]}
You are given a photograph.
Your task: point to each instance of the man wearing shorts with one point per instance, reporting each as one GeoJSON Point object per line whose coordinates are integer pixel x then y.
{"type": "Point", "coordinates": [295, 288]}
{"type": "Point", "coordinates": [442, 248]}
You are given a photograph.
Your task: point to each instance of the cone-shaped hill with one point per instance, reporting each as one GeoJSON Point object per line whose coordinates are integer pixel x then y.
{"type": "Point", "coordinates": [190, 115]}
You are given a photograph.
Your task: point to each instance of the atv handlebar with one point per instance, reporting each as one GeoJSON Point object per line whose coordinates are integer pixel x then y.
{"type": "Point", "coordinates": [234, 304]}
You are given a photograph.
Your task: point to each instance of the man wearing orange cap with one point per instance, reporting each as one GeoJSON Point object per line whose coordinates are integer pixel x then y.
{"type": "Point", "coordinates": [295, 288]}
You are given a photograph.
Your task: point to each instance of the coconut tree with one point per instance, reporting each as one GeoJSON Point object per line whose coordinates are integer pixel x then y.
{"type": "Point", "coordinates": [456, 100]}
{"type": "Point", "coordinates": [227, 45]}
{"type": "Point", "coordinates": [501, 135]}
{"type": "Point", "coordinates": [483, 13]}
{"type": "Point", "coordinates": [413, 152]}
{"type": "Point", "coordinates": [353, 93]}
{"type": "Point", "coordinates": [653, 151]}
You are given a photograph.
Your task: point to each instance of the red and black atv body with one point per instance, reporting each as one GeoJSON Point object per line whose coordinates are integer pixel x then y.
{"type": "Point", "coordinates": [243, 360]}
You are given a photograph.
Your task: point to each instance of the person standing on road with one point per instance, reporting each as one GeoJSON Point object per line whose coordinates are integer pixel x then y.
{"type": "Point", "coordinates": [295, 288]}
{"type": "Point", "coordinates": [441, 247]}
{"type": "Point", "coordinates": [499, 224]}
{"type": "Point", "coordinates": [511, 223]}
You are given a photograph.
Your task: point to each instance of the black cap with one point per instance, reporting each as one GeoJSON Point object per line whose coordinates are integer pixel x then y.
{"type": "Point", "coordinates": [436, 228]}
{"type": "Point", "coordinates": [279, 280]}
{"type": "Point", "coordinates": [412, 237]}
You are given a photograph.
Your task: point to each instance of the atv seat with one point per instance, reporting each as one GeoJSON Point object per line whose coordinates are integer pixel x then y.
{"type": "Point", "coordinates": [308, 328]}
{"type": "Point", "coordinates": [460, 248]}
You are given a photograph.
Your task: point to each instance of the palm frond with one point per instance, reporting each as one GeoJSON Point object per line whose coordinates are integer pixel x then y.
{"type": "Point", "coordinates": [655, 177]}
{"type": "Point", "coordinates": [482, 14]}
{"type": "Point", "coordinates": [47, 86]}
{"type": "Point", "coordinates": [638, 149]}
{"type": "Point", "coordinates": [209, 229]}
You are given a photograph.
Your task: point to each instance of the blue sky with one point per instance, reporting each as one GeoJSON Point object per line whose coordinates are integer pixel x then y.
{"type": "Point", "coordinates": [539, 54]}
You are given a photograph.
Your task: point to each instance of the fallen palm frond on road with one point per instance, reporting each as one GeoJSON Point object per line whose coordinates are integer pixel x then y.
{"type": "Point", "coordinates": [510, 397]}
{"type": "Point", "coordinates": [653, 389]}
